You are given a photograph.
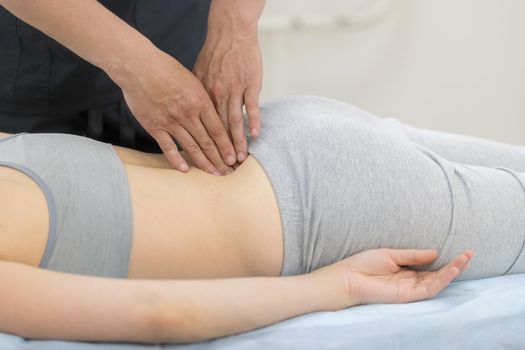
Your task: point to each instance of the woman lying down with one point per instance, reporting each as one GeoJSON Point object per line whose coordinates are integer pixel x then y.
{"type": "Point", "coordinates": [333, 208]}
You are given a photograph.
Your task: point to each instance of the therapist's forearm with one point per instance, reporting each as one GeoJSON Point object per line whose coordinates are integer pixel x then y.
{"type": "Point", "coordinates": [86, 28]}
{"type": "Point", "coordinates": [238, 18]}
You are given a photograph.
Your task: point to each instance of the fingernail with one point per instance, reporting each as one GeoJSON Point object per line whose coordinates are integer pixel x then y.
{"type": "Point", "coordinates": [228, 171]}
{"type": "Point", "coordinates": [240, 156]}
{"type": "Point", "coordinates": [230, 159]}
{"type": "Point", "coordinates": [183, 167]}
{"type": "Point", "coordinates": [217, 173]}
{"type": "Point", "coordinates": [255, 132]}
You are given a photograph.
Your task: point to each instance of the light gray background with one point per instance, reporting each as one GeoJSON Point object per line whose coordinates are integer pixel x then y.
{"type": "Point", "coordinates": [452, 65]}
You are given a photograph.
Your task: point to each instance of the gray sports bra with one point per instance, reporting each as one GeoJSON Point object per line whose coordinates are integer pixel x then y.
{"type": "Point", "coordinates": [87, 194]}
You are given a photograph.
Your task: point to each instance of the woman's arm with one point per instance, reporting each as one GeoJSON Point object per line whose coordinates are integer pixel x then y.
{"type": "Point", "coordinates": [44, 304]}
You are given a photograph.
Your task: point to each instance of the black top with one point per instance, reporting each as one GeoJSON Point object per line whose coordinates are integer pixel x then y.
{"type": "Point", "coordinates": [39, 74]}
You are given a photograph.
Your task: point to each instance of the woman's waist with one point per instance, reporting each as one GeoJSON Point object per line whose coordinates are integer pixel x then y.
{"type": "Point", "coordinates": [204, 226]}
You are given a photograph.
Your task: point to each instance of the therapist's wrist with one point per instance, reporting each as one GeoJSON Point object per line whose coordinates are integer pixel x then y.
{"type": "Point", "coordinates": [236, 18]}
{"type": "Point", "coordinates": [127, 59]}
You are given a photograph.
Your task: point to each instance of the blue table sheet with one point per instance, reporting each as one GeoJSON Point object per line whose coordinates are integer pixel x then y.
{"type": "Point", "coordinates": [478, 314]}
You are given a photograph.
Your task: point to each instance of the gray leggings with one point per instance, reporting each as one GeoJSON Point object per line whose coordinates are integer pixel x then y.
{"type": "Point", "coordinates": [348, 181]}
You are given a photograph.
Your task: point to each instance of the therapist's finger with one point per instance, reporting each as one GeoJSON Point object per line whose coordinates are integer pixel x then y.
{"type": "Point", "coordinates": [206, 144]}
{"type": "Point", "coordinates": [192, 148]}
{"type": "Point", "coordinates": [251, 101]}
{"type": "Point", "coordinates": [170, 150]}
{"type": "Point", "coordinates": [220, 100]}
{"type": "Point", "coordinates": [215, 129]}
{"type": "Point", "coordinates": [237, 127]}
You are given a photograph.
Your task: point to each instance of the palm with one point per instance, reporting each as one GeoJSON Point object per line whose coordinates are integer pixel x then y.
{"type": "Point", "coordinates": [378, 275]}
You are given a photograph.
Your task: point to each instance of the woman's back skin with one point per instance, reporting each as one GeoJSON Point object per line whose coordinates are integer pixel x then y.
{"type": "Point", "coordinates": [192, 225]}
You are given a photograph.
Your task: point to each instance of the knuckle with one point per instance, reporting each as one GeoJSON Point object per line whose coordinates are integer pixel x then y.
{"type": "Point", "coordinates": [199, 132]}
{"type": "Point", "coordinates": [216, 131]}
{"type": "Point", "coordinates": [156, 120]}
{"type": "Point", "coordinates": [170, 147]}
{"type": "Point", "coordinates": [174, 112]}
{"type": "Point", "coordinates": [208, 145]}
{"type": "Point", "coordinates": [186, 110]}
{"type": "Point", "coordinates": [251, 104]}
{"type": "Point", "coordinates": [216, 89]}
{"type": "Point", "coordinates": [167, 146]}
{"type": "Point", "coordinates": [192, 148]}
{"type": "Point", "coordinates": [235, 119]}
{"type": "Point", "coordinates": [251, 101]}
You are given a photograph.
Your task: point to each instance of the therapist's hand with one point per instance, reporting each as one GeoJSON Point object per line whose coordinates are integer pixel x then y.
{"type": "Point", "coordinates": [230, 66]}
{"type": "Point", "coordinates": [382, 275]}
{"type": "Point", "coordinates": [166, 99]}
{"type": "Point", "coordinates": [170, 102]}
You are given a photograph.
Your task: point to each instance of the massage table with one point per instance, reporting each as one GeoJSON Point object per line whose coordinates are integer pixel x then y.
{"type": "Point", "coordinates": [478, 314]}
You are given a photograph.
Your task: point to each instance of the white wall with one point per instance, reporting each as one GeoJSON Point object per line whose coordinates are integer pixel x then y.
{"type": "Point", "coordinates": [453, 65]}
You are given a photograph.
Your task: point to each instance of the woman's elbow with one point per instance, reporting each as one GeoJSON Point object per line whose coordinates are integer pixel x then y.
{"type": "Point", "coordinates": [165, 322]}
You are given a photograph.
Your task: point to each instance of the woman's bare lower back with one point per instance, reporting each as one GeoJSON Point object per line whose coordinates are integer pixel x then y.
{"type": "Point", "coordinates": [197, 225]}
{"type": "Point", "coordinates": [191, 225]}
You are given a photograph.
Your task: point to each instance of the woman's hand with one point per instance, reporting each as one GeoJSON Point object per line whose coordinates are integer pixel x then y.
{"type": "Point", "coordinates": [381, 275]}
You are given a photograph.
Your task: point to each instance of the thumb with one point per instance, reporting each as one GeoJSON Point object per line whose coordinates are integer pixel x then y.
{"type": "Point", "coordinates": [413, 256]}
